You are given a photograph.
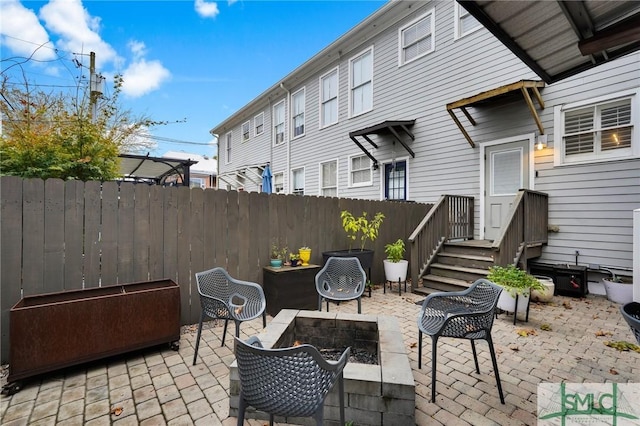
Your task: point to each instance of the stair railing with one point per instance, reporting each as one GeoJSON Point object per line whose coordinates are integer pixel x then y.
{"type": "Point", "coordinates": [527, 225]}
{"type": "Point", "coordinates": [450, 218]}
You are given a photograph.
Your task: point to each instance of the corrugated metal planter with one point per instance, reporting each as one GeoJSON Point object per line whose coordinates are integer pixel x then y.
{"type": "Point", "coordinates": [57, 330]}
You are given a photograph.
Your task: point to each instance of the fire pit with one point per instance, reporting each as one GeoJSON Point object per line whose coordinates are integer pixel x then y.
{"type": "Point", "coordinates": [375, 394]}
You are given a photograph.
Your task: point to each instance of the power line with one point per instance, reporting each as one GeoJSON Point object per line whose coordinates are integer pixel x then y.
{"type": "Point", "coordinates": [178, 141]}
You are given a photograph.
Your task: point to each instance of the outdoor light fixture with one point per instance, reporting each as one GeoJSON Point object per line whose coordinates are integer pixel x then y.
{"type": "Point", "coordinates": [542, 142]}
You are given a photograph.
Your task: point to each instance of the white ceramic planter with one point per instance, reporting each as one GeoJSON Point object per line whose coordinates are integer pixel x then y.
{"type": "Point", "coordinates": [507, 303]}
{"type": "Point", "coordinates": [547, 295]}
{"type": "Point", "coordinates": [618, 292]}
{"type": "Point", "coordinates": [395, 270]}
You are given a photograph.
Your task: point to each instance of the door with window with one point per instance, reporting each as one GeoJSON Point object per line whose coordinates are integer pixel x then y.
{"type": "Point", "coordinates": [506, 171]}
{"type": "Point", "coordinates": [395, 181]}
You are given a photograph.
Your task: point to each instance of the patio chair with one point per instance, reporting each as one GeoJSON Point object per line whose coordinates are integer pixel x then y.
{"type": "Point", "coordinates": [340, 279]}
{"type": "Point", "coordinates": [223, 297]}
{"type": "Point", "coordinates": [288, 382]}
{"type": "Point", "coordinates": [467, 314]}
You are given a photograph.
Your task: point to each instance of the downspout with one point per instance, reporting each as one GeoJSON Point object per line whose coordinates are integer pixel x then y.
{"type": "Point", "coordinates": [287, 108]}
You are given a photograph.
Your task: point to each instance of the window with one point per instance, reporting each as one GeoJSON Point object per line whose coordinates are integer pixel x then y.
{"type": "Point", "coordinates": [245, 131]}
{"type": "Point", "coordinates": [602, 130]}
{"type": "Point", "coordinates": [395, 177]}
{"type": "Point", "coordinates": [297, 181]}
{"type": "Point", "coordinates": [278, 183]}
{"type": "Point", "coordinates": [360, 171]}
{"type": "Point", "coordinates": [361, 83]}
{"type": "Point", "coordinates": [297, 101]}
{"type": "Point", "coordinates": [329, 98]}
{"type": "Point", "coordinates": [417, 38]}
{"type": "Point", "coordinates": [258, 122]}
{"type": "Point", "coordinates": [228, 146]}
{"type": "Point", "coordinates": [464, 22]}
{"type": "Point", "coordinates": [329, 178]}
{"type": "Point", "coordinates": [196, 182]}
{"type": "Point", "coordinates": [278, 122]}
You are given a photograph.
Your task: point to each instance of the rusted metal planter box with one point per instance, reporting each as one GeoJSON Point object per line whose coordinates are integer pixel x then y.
{"type": "Point", "coordinates": [57, 330]}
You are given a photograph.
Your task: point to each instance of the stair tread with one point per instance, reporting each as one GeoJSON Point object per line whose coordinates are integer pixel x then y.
{"type": "Point", "coordinates": [447, 280]}
{"type": "Point", "coordinates": [471, 243]}
{"type": "Point", "coordinates": [466, 256]}
{"type": "Point", "coordinates": [460, 268]}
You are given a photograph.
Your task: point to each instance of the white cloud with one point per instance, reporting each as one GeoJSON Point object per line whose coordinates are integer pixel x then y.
{"type": "Point", "coordinates": [138, 48]}
{"type": "Point", "coordinates": [142, 77]}
{"type": "Point", "coordinates": [206, 9]}
{"type": "Point", "coordinates": [25, 31]}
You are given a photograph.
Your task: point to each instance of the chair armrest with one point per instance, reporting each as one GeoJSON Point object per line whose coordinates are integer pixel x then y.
{"type": "Point", "coordinates": [252, 302]}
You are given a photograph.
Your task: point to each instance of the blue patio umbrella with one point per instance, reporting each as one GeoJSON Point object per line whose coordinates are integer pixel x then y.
{"type": "Point", "coordinates": [266, 180]}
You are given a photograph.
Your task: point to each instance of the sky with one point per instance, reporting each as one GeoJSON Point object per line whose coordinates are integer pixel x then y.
{"type": "Point", "coordinates": [190, 63]}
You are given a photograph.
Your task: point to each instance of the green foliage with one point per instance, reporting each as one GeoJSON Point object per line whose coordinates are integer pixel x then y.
{"type": "Point", "coordinates": [514, 280]}
{"type": "Point", "coordinates": [395, 251]}
{"type": "Point", "coordinates": [360, 227]}
{"type": "Point", "coordinates": [277, 251]}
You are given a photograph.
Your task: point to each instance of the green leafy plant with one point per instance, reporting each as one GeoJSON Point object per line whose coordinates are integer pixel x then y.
{"type": "Point", "coordinates": [294, 256]}
{"type": "Point", "coordinates": [278, 252]}
{"type": "Point", "coordinates": [361, 228]}
{"type": "Point", "coordinates": [514, 280]}
{"type": "Point", "coordinates": [395, 251]}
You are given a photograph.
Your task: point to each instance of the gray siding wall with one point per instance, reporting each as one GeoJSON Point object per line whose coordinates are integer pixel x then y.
{"type": "Point", "coordinates": [591, 203]}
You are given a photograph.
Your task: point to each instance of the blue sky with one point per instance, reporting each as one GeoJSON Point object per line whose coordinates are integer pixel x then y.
{"type": "Point", "coordinates": [195, 60]}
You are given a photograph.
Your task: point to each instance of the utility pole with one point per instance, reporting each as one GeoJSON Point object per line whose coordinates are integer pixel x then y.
{"type": "Point", "coordinates": [95, 86]}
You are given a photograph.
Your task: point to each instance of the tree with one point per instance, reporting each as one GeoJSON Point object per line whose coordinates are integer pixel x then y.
{"type": "Point", "coordinates": [54, 135]}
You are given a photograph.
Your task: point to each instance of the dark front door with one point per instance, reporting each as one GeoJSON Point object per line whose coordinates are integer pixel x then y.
{"type": "Point", "coordinates": [395, 180]}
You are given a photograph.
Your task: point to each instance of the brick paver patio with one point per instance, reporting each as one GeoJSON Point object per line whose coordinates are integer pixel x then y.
{"type": "Point", "coordinates": [160, 386]}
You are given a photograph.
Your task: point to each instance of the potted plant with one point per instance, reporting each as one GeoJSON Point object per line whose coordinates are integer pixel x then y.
{"type": "Point", "coordinates": [305, 255]}
{"type": "Point", "coordinates": [278, 255]}
{"type": "Point", "coordinates": [395, 266]}
{"type": "Point", "coordinates": [294, 259]}
{"type": "Point", "coordinates": [516, 283]}
{"type": "Point", "coordinates": [619, 289]}
{"type": "Point", "coordinates": [360, 229]}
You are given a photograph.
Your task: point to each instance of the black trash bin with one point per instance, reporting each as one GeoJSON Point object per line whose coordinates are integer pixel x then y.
{"type": "Point", "coordinates": [571, 280]}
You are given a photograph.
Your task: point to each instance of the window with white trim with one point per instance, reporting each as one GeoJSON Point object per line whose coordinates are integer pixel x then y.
{"type": "Point", "coordinates": [361, 83]}
{"type": "Point", "coordinates": [606, 129]}
{"type": "Point", "coordinates": [245, 131]}
{"type": "Point", "coordinates": [464, 22]}
{"type": "Point", "coordinates": [360, 171]}
{"type": "Point", "coordinates": [417, 38]}
{"type": "Point", "coordinates": [228, 147]}
{"type": "Point", "coordinates": [278, 183]}
{"type": "Point", "coordinates": [278, 122]}
{"type": "Point", "coordinates": [329, 178]}
{"type": "Point", "coordinates": [329, 98]}
{"type": "Point", "coordinates": [297, 121]}
{"type": "Point", "coordinates": [297, 181]}
{"type": "Point", "coordinates": [258, 124]}
{"type": "Point", "coordinates": [196, 182]}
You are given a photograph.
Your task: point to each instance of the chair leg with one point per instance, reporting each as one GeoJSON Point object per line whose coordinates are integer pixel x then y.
{"type": "Point", "coordinates": [495, 367]}
{"type": "Point", "coordinates": [224, 332]}
{"type": "Point", "coordinates": [195, 355]}
{"type": "Point", "coordinates": [327, 300]}
{"type": "Point", "coordinates": [419, 349]}
{"type": "Point", "coordinates": [320, 303]}
{"type": "Point", "coordinates": [270, 419]}
{"type": "Point", "coordinates": [475, 355]}
{"type": "Point", "coordinates": [264, 318]}
{"type": "Point", "coordinates": [237, 328]}
{"type": "Point", "coordinates": [434, 345]}
{"type": "Point", "coordinates": [359, 306]}
{"type": "Point", "coordinates": [242, 406]}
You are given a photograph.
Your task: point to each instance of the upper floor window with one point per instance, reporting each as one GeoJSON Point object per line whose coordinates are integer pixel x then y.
{"type": "Point", "coordinates": [604, 129]}
{"type": "Point", "coordinates": [464, 22]}
{"type": "Point", "coordinates": [258, 122]}
{"type": "Point", "coordinates": [278, 122]}
{"type": "Point", "coordinates": [417, 38]}
{"type": "Point", "coordinates": [245, 131]}
{"type": "Point", "coordinates": [361, 82]}
{"type": "Point", "coordinates": [297, 103]}
{"type": "Point", "coordinates": [329, 178]}
{"type": "Point", "coordinates": [228, 146]}
{"type": "Point", "coordinates": [360, 171]}
{"type": "Point", "coordinates": [297, 181]}
{"type": "Point", "coordinates": [329, 98]}
{"type": "Point", "coordinates": [278, 183]}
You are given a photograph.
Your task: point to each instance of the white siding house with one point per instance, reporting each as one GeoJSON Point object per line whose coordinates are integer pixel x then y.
{"type": "Point", "coordinates": [389, 81]}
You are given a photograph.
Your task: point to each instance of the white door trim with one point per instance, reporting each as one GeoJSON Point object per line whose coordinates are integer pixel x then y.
{"type": "Point", "coordinates": [482, 152]}
{"type": "Point", "coordinates": [406, 159]}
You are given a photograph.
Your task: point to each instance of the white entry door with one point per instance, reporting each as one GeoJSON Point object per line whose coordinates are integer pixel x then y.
{"type": "Point", "coordinates": [506, 171]}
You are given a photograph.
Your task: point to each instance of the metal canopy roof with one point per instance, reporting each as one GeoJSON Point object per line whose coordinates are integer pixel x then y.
{"type": "Point", "coordinates": [393, 128]}
{"type": "Point", "coordinates": [513, 89]}
{"type": "Point", "coordinates": [558, 39]}
{"type": "Point", "coordinates": [143, 168]}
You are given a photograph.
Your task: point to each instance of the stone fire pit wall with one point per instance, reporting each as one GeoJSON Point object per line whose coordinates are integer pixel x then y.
{"type": "Point", "coordinates": [381, 394]}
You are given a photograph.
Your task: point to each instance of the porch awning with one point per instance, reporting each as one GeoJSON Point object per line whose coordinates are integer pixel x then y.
{"type": "Point", "coordinates": [522, 86]}
{"type": "Point", "coordinates": [392, 128]}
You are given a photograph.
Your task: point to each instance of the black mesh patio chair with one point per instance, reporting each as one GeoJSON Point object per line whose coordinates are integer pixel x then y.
{"type": "Point", "coordinates": [223, 297]}
{"type": "Point", "coordinates": [340, 279]}
{"type": "Point", "coordinates": [288, 382]}
{"type": "Point", "coordinates": [467, 314]}
{"type": "Point", "coordinates": [631, 314]}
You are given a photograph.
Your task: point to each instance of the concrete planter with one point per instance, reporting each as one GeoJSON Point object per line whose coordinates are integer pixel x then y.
{"type": "Point", "coordinates": [395, 270]}
{"type": "Point", "coordinates": [544, 296]}
{"type": "Point", "coordinates": [618, 292]}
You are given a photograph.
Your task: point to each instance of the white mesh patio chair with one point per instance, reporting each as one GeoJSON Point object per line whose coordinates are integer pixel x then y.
{"type": "Point", "coordinates": [287, 382]}
{"type": "Point", "coordinates": [340, 279]}
{"type": "Point", "coordinates": [467, 314]}
{"type": "Point", "coordinates": [223, 297]}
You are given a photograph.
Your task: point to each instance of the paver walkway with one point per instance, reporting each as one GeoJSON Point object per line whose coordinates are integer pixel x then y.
{"type": "Point", "coordinates": [160, 386]}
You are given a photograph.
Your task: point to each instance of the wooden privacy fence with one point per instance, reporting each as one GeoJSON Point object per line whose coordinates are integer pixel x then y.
{"type": "Point", "coordinates": [57, 235]}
